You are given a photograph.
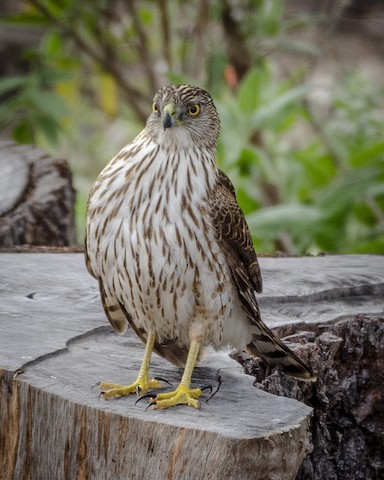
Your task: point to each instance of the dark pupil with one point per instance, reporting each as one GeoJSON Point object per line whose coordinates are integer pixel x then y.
{"type": "Point", "coordinates": [193, 109]}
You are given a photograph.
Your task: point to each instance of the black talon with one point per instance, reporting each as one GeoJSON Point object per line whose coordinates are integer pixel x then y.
{"type": "Point", "coordinates": [95, 385]}
{"type": "Point", "coordinates": [149, 405]}
{"type": "Point", "coordinates": [219, 382]}
{"type": "Point", "coordinates": [162, 380]}
{"type": "Point", "coordinates": [206, 387]}
{"type": "Point", "coordinates": [99, 396]}
{"type": "Point", "coordinates": [19, 371]}
{"type": "Point", "coordinates": [147, 395]}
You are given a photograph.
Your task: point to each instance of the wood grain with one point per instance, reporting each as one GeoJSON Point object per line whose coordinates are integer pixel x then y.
{"type": "Point", "coordinates": [36, 198]}
{"type": "Point", "coordinates": [52, 425]}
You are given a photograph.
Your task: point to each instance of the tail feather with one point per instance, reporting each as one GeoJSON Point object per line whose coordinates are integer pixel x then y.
{"type": "Point", "coordinates": [268, 347]}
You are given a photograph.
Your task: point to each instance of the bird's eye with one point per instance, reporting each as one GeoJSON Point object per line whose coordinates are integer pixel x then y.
{"type": "Point", "coordinates": [193, 110]}
{"type": "Point", "coordinates": [155, 107]}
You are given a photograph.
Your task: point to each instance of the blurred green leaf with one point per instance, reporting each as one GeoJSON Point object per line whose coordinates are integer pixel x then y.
{"type": "Point", "coordinates": [8, 84]}
{"type": "Point", "coordinates": [292, 218]}
{"type": "Point", "coordinates": [146, 15]}
{"type": "Point", "coordinates": [23, 133]}
{"type": "Point", "coordinates": [53, 44]}
{"type": "Point", "coordinates": [269, 17]}
{"type": "Point", "coordinates": [317, 179]}
{"type": "Point", "coordinates": [250, 89]}
{"type": "Point", "coordinates": [48, 127]}
{"type": "Point", "coordinates": [27, 19]}
{"type": "Point", "coordinates": [372, 246]}
{"type": "Point", "coordinates": [271, 114]}
{"type": "Point", "coordinates": [366, 155]}
{"type": "Point", "coordinates": [49, 103]}
{"type": "Point", "coordinates": [343, 193]}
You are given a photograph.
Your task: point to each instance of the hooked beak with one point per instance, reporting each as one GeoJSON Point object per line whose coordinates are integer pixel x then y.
{"type": "Point", "coordinates": [168, 116]}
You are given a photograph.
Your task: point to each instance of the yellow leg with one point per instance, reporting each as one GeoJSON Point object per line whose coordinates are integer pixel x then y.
{"type": "Point", "coordinates": [183, 393]}
{"type": "Point", "coordinates": [141, 385]}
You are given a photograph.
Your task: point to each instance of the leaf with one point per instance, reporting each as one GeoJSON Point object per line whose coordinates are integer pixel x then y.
{"type": "Point", "coordinates": [47, 125]}
{"type": "Point", "coordinates": [12, 83]}
{"type": "Point", "coordinates": [26, 19]}
{"type": "Point", "coordinates": [270, 16]}
{"type": "Point", "coordinates": [318, 167]}
{"type": "Point", "coordinates": [344, 193]}
{"type": "Point", "coordinates": [271, 114]}
{"type": "Point", "coordinates": [366, 155]}
{"type": "Point", "coordinates": [373, 246]}
{"type": "Point", "coordinates": [23, 133]}
{"type": "Point", "coordinates": [291, 218]}
{"type": "Point", "coordinates": [250, 89]}
{"type": "Point", "coordinates": [146, 16]}
{"type": "Point", "coordinates": [53, 44]}
{"type": "Point", "coordinates": [246, 202]}
{"type": "Point", "coordinates": [376, 189]}
{"type": "Point", "coordinates": [49, 103]}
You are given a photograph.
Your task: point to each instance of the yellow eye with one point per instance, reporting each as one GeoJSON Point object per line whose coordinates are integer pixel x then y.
{"type": "Point", "coordinates": [193, 110]}
{"type": "Point", "coordinates": [155, 108]}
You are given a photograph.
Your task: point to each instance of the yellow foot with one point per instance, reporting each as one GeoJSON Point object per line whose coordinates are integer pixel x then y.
{"type": "Point", "coordinates": [181, 396]}
{"type": "Point", "coordinates": [114, 390]}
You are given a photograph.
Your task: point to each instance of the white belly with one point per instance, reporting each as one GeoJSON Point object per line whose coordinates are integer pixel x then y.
{"type": "Point", "coordinates": [162, 262]}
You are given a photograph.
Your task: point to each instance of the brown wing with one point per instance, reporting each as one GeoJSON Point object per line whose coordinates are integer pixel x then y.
{"type": "Point", "coordinates": [235, 240]}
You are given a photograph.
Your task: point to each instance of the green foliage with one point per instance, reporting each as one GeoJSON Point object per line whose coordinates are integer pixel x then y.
{"type": "Point", "coordinates": [30, 108]}
{"type": "Point", "coordinates": [325, 191]}
{"type": "Point", "coordinates": [307, 181]}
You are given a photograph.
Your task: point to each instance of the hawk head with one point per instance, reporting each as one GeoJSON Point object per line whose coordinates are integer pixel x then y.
{"type": "Point", "coordinates": [183, 117]}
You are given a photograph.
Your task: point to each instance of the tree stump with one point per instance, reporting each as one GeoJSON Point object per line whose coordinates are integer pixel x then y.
{"type": "Point", "coordinates": [55, 343]}
{"type": "Point", "coordinates": [52, 426]}
{"type": "Point", "coordinates": [336, 303]}
{"type": "Point", "coordinates": [36, 198]}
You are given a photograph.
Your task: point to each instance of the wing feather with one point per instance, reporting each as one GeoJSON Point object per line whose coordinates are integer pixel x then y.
{"type": "Point", "coordinates": [234, 238]}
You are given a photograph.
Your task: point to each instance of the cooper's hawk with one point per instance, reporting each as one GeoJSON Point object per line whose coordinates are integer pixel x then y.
{"type": "Point", "coordinates": [172, 251]}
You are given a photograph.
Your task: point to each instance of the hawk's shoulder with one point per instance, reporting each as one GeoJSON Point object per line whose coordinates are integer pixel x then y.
{"type": "Point", "coordinates": [235, 241]}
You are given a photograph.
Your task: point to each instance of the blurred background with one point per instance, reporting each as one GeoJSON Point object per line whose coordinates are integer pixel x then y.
{"type": "Point", "coordinates": [298, 85]}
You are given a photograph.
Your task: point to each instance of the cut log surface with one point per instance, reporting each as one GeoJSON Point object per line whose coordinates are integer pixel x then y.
{"type": "Point", "coordinates": [36, 198]}
{"type": "Point", "coordinates": [316, 290]}
{"type": "Point", "coordinates": [54, 334]}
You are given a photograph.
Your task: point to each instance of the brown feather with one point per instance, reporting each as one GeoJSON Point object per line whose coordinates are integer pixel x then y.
{"type": "Point", "coordinates": [87, 261]}
{"type": "Point", "coordinates": [234, 238]}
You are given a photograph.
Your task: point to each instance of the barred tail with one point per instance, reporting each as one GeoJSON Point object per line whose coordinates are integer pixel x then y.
{"type": "Point", "coordinates": [268, 347]}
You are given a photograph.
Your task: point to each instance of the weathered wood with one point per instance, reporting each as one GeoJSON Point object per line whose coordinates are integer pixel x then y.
{"type": "Point", "coordinates": [36, 198]}
{"type": "Point", "coordinates": [344, 321]}
{"type": "Point", "coordinates": [52, 425]}
{"type": "Point", "coordinates": [53, 328]}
